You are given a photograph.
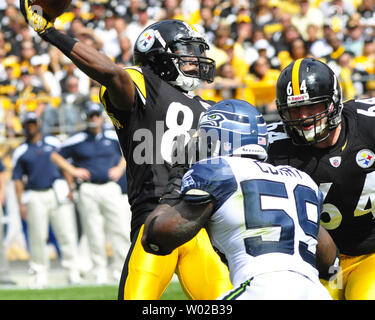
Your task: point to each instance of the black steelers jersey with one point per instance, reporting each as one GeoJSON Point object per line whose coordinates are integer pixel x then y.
{"type": "Point", "coordinates": [146, 134]}
{"type": "Point", "coordinates": [345, 174]}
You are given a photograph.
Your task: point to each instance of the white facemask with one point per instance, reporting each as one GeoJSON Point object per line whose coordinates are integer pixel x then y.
{"type": "Point", "coordinates": [186, 83]}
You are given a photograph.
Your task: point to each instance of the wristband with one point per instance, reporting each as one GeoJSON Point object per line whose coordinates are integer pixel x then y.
{"type": "Point", "coordinates": [149, 245]}
{"type": "Point", "coordinates": [59, 40]}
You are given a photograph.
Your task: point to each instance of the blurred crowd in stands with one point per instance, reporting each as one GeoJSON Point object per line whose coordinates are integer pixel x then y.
{"type": "Point", "coordinates": [250, 40]}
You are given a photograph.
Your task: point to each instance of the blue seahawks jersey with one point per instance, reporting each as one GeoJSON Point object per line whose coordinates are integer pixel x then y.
{"type": "Point", "coordinates": [33, 161]}
{"type": "Point", "coordinates": [96, 153]}
{"type": "Point", "coordinates": [266, 218]}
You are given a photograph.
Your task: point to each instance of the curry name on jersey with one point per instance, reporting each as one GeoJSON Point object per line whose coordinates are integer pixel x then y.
{"type": "Point", "coordinates": [345, 174]}
{"type": "Point", "coordinates": [146, 134]}
{"type": "Point", "coordinates": [265, 218]}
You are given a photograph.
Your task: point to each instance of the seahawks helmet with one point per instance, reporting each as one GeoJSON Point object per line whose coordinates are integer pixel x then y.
{"type": "Point", "coordinates": [232, 128]}
{"type": "Point", "coordinates": [306, 83]}
{"type": "Point", "coordinates": [167, 46]}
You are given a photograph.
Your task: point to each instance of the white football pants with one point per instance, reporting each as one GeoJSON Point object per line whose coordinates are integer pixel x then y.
{"type": "Point", "coordinates": [105, 215]}
{"type": "Point", "coordinates": [42, 208]}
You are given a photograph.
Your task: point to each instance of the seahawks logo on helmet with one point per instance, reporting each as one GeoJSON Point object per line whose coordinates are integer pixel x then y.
{"type": "Point", "coordinates": [212, 120]}
{"type": "Point", "coordinates": [232, 127]}
{"type": "Point", "coordinates": [226, 120]}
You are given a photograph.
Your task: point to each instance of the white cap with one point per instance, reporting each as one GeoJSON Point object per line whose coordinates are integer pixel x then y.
{"type": "Point", "coordinates": [40, 60]}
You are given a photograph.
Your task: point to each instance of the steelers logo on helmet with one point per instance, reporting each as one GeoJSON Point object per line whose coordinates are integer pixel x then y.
{"type": "Point", "coordinates": [176, 52]}
{"type": "Point", "coordinates": [146, 40]}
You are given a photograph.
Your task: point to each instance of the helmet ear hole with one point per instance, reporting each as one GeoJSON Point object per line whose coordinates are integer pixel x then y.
{"type": "Point", "coordinates": [167, 68]}
{"type": "Point", "coordinates": [164, 67]}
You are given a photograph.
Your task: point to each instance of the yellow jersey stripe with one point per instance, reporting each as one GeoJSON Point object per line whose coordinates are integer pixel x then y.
{"type": "Point", "coordinates": [295, 77]}
{"type": "Point", "coordinates": [138, 80]}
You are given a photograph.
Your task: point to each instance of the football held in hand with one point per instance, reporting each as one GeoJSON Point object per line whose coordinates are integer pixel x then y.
{"type": "Point", "coordinates": [51, 9]}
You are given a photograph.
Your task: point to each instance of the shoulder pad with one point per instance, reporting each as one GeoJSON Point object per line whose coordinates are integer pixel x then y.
{"type": "Point", "coordinates": [137, 76]}
{"type": "Point", "coordinates": [214, 177]}
{"type": "Point", "coordinates": [362, 106]}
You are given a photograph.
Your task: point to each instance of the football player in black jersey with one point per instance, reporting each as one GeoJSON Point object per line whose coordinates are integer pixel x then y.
{"type": "Point", "coordinates": [334, 142]}
{"type": "Point", "coordinates": [150, 106]}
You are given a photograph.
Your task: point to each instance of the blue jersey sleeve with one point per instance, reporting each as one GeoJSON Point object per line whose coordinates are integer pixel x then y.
{"type": "Point", "coordinates": [18, 170]}
{"type": "Point", "coordinates": [212, 178]}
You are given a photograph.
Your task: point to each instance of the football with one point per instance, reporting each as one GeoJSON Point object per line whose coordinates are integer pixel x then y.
{"type": "Point", "coordinates": [51, 8]}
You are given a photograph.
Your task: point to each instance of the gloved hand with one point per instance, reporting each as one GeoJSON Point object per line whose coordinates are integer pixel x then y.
{"type": "Point", "coordinates": [34, 17]}
{"type": "Point", "coordinates": [45, 28]}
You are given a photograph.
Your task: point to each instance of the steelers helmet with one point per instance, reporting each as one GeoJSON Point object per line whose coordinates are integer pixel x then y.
{"type": "Point", "coordinates": [167, 46]}
{"type": "Point", "coordinates": [305, 83]}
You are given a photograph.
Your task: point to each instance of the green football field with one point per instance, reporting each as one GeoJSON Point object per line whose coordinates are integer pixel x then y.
{"type": "Point", "coordinates": [173, 292]}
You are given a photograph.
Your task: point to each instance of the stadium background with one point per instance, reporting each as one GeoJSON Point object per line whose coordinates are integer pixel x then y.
{"type": "Point", "coordinates": [251, 42]}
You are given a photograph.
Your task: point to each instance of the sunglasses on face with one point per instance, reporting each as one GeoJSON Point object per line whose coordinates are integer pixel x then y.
{"type": "Point", "coordinates": [94, 114]}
